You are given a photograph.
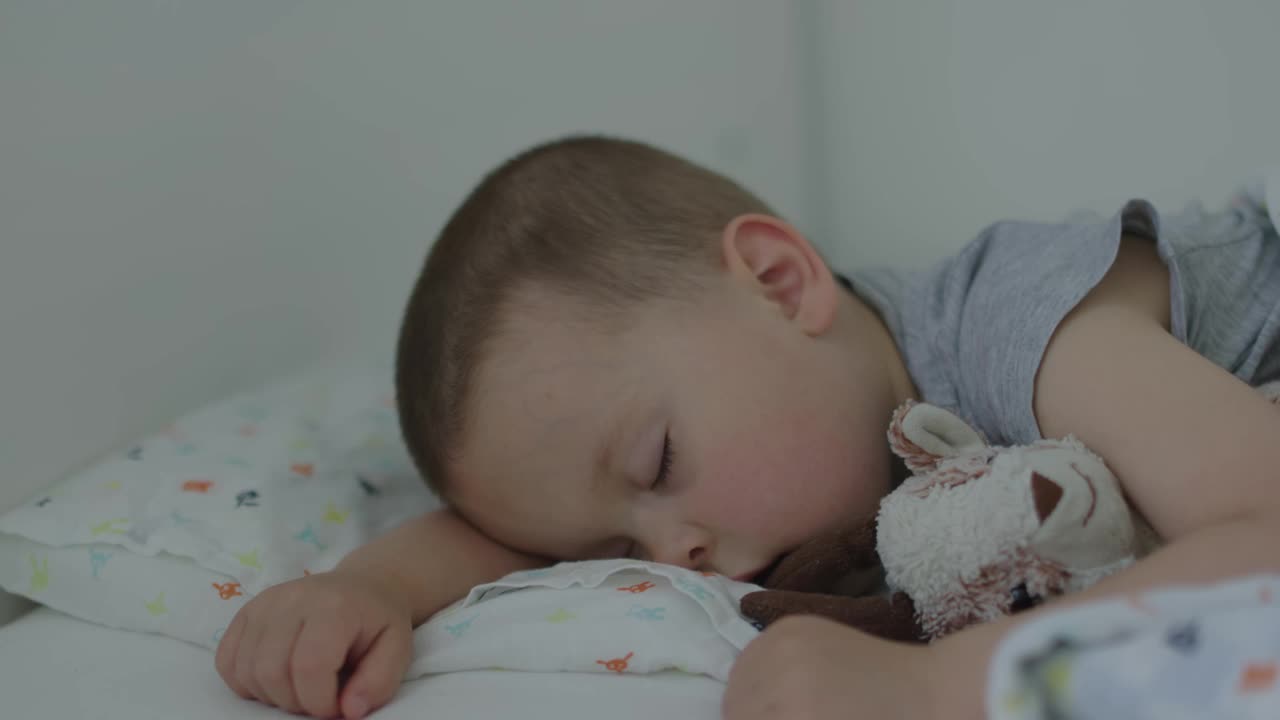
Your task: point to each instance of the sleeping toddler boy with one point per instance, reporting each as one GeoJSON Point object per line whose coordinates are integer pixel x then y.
{"type": "Point", "coordinates": [613, 352]}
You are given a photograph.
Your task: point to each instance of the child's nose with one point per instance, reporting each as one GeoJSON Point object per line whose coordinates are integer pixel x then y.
{"type": "Point", "coordinates": [691, 559]}
{"type": "Point", "coordinates": [689, 550]}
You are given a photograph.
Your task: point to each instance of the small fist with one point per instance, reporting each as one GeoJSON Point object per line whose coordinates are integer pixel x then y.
{"type": "Point", "coordinates": [809, 668]}
{"type": "Point", "coordinates": [293, 645]}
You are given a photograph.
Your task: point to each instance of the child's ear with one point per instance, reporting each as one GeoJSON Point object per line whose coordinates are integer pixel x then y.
{"type": "Point", "coordinates": [781, 264]}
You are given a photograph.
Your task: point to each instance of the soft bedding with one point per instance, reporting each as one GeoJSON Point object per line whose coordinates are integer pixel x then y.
{"type": "Point", "coordinates": [615, 616]}
{"type": "Point", "coordinates": [174, 532]}
{"type": "Point", "coordinates": [53, 666]}
{"type": "Point", "coordinates": [1175, 653]}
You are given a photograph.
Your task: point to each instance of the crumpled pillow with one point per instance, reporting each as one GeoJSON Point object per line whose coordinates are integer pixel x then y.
{"type": "Point", "coordinates": [173, 533]}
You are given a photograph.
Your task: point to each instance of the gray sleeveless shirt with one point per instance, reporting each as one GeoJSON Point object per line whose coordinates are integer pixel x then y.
{"type": "Point", "coordinates": [973, 328]}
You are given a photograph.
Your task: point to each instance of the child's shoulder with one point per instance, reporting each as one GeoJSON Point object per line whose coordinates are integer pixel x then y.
{"type": "Point", "coordinates": [973, 327]}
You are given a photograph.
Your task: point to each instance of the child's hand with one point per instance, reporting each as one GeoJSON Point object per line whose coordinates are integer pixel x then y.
{"type": "Point", "coordinates": [291, 645]}
{"type": "Point", "coordinates": [809, 668]}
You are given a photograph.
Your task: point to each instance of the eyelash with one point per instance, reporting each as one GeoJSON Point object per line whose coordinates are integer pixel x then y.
{"type": "Point", "coordinates": [664, 465]}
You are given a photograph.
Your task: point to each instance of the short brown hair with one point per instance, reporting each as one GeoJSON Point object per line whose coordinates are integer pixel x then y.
{"type": "Point", "coordinates": [613, 222]}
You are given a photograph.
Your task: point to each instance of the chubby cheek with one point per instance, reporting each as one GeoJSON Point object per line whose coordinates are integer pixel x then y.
{"type": "Point", "coordinates": [786, 484]}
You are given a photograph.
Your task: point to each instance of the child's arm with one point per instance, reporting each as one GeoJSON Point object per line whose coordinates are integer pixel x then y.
{"type": "Point", "coordinates": [1197, 452]}
{"type": "Point", "coordinates": [290, 645]}
{"type": "Point", "coordinates": [434, 560]}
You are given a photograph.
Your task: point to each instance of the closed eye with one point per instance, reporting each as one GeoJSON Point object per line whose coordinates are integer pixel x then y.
{"type": "Point", "coordinates": [664, 463]}
{"type": "Point", "coordinates": [660, 479]}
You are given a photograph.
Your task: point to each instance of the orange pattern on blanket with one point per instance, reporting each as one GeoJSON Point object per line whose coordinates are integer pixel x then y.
{"type": "Point", "coordinates": [618, 665]}
{"type": "Point", "coordinates": [228, 590]}
{"type": "Point", "coordinates": [197, 486]}
{"type": "Point", "coordinates": [1257, 677]}
{"type": "Point", "coordinates": [1139, 602]}
{"type": "Point", "coordinates": [303, 469]}
{"type": "Point", "coordinates": [637, 588]}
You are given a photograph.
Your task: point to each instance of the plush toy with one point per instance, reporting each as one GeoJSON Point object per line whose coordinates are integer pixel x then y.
{"type": "Point", "coordinates": [976, 533]}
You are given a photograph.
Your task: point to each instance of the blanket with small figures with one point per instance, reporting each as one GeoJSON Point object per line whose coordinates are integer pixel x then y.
{"type": "Point", "coordinates": [618, 616]}
{"type": "Point", "coordinates": [1179, 653]}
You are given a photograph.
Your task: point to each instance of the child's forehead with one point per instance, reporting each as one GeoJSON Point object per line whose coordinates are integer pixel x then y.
{"type": "Point", "coordinates": [542, 343]}
{"type": "Point", "coordinates": [552, 330]}
{"type": "Point", "coordinates": [551, 379]}
{"type": "Point", "coordinates": [539, 369]}
{"type": "Point", "coordinates": [542, 333]}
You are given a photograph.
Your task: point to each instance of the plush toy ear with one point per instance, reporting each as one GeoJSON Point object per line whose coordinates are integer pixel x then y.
{"type": "Point", "coordinates": [922, 434]}
{"type": "Point", "coordinates": [1046, 494]}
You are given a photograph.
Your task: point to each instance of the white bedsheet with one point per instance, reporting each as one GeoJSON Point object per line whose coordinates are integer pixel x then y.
{"type": "Point", "coordinates": [55, 666]}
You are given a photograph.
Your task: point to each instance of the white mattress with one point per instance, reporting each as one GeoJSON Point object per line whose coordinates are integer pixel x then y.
{"type": "Point", "coordinates": [55, 666]}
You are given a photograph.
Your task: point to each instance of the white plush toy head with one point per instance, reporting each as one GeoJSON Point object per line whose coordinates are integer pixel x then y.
{"type": "Point", "coordinates": [979, 532]}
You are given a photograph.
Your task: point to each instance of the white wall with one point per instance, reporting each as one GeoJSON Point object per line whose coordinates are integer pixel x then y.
{"type": "Point", "coordinates": [941, 116]}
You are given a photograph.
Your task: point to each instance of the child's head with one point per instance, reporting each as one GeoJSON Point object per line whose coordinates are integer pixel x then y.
{"type": "Point", "coordinates": [611, 350]}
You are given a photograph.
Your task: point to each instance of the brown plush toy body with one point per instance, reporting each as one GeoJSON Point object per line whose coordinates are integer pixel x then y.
{"type": "Point", "coordinates": [836, 576]}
